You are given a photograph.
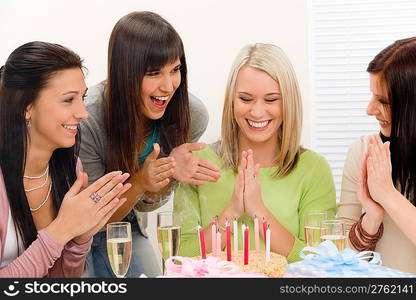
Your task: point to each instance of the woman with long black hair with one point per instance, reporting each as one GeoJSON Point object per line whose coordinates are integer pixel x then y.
{"type": "Point", "coordinates": [47, 214]}
{"type": "Point", "coordinates": [379, 180]}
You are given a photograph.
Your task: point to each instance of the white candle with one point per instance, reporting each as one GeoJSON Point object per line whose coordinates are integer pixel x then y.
{"type": "Point", "coordinates": [243, 229]}
{"type": "Point", "coordinates": [218, 244]}
{"type": "Point", "coordinates": [256, 234]}
{"type": "Point", "coordinates": [213, 238]}
{"type": "Point", "coordinates": [235, 232]}
{"type": "Point", "coordinates": [268, 233]}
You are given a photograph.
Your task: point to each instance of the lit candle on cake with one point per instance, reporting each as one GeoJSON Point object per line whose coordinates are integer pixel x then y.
{"type": "Point", "coordinates": [202, 249]}
{"type": "Point", "coordinates": [214, 237]}
{"type": "Point", "coordinates": [268, 240]}
{"type": "Point", "coordinates": [228, 239]}
{"type": "Point", "coordinates": [218, 252]}
{"type": "Point", "coordinates": [246, 245]}
{"type": "Point", "coordinates": [235, 232]}
{"type": "Point", "coordinates": [256, 233]}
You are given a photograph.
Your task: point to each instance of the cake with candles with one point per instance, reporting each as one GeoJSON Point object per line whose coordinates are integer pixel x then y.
{"type": "Point", "coordinates": [257, 263]}
{"type": "Point", "coordinates": [231, 262]}
{"type": "Point", "coordinates": [212, 266]}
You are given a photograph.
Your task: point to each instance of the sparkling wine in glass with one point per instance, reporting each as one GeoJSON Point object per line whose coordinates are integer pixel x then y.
{"type": "Point", "coordinates": [312, 226]}
{"type": "Point", "coordinates": [119, 247]}
{"type": "Point", "coordinates": [334, 231]}
{"type": "Point", "coordinates": [168, 235]}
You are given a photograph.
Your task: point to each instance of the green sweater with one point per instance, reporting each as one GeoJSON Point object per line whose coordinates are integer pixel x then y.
{"type": "Point", "coordinates": [309, 186]}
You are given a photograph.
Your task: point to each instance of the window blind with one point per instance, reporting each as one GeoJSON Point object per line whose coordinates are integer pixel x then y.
{"type": "Point", "coordinates": [344, 37]}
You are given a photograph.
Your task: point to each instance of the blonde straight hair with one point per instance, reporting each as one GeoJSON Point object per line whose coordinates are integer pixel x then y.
{"type": "Point", "coordinates": [272, 60]}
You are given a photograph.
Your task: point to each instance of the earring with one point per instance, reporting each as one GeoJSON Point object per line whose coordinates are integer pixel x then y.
{"type": "Point", "coordinates": [28, 124]}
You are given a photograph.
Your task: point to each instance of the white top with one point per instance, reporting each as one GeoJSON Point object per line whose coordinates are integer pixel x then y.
{"type": "Point", "coordinates": [11, 250]}
{"type": "Point", "coordinates": [396, 250]}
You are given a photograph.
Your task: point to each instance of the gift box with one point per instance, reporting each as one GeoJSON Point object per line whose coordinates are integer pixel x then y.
{"type": "Point", "coordinates": [326, 261]}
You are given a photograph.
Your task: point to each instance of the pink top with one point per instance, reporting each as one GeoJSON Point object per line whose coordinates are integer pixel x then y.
{"type": "Point", "coordinates": [45, 257]}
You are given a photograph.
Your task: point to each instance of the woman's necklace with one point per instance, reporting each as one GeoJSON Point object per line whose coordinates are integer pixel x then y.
{"type": "Point", "coordinates": [42, 185]}
{"type": "Point", "coordinates": [46, 174]}
{"type": "Point", "coordinates": [46, 198]}
{"type": "Point", "coordinates": [37, 177]}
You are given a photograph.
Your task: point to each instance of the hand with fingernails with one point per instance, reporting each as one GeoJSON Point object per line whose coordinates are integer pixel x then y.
{"type": "Point", "coordinates": [155, 173]}
{"type": "Point", "coordinates": [379, 169]}
{"type": "Point", "coordinates": [80, 216]}
{"type": "Point", "coordinates": [374, 211]}
{"type": "Point", "coordinates": [190, 168]}
{"type": "Point", "coordinates": [252, 188]}
{"type": "Point", "coordinates": [246, 197]}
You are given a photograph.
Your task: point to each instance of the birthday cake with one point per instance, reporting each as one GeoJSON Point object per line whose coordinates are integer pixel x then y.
{"type": "Point", "coordinates": [179, 266]}
{"type": "Point", "coordinates": [275, 267]}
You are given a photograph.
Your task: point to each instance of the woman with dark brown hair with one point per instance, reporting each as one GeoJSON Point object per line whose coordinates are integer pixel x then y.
{"type": "Point", "coordinates": [47, 214]}
{"type": "Point", "coordinates": [379, 180]}
{"type": "Point", "coordinates": [141, 120]}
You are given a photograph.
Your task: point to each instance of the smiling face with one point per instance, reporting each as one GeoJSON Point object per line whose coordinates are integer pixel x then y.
{"type": "Point", "coordinates": [379, 106]}
{"type": "Point", "coordinates": [257, 106]}
{"type": "Point", "coordinates": [158, 87]}
{"type": "Point", "coordinates": [57, 111]}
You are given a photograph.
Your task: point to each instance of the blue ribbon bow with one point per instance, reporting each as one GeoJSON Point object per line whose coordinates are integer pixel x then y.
{"type": "Point", "coordinates": [326, 257]}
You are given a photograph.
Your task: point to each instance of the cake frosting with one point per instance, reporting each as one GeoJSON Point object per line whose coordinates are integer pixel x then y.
{"type": "Point", "coordinates": [276, 267]}
{"type": "Point", "coordinates": [178, 266]}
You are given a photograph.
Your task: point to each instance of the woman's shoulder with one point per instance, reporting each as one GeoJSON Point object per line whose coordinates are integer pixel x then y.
{"type": "Point", "coordinates": [95, 94]}
{"type": "Point", "coordinates": [94, 105]}
{"type": "Point", "coordinates": [308, 156]}
{"type": "Point", "coordinates": [209, 152]}
{"type": "Point", "coordinates": [359, 146]}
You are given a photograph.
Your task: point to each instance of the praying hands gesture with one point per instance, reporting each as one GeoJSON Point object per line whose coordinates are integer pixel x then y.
{"type": "Point", "coordinates": [379, 169]}
{"type": "Point", "coordinates": [247, 190]}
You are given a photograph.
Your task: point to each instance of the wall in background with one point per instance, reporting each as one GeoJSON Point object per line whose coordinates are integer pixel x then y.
{"type": "Point", "coordinates": [212, 31]}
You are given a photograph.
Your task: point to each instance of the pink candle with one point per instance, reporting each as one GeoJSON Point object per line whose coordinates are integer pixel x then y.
{"type": "Point", "coordinates": [246, 245]}
{"type": "Point", "coordinates": [264, 231]}
{"type": "Point", "coordinates": [218, 252]}
{"type": "Point", "coordinates": [235, 233]}
{"type": "Point", "coordinates": [228, 237]}
{"type": "Point", "coordinates": [256, 234]}
{"type": "Point", "coordinates": [201, 234]}
{"type": "Point", "coordinates": [213, 237]}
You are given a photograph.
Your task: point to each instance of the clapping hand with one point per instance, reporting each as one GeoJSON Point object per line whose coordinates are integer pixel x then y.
{"type": "Point", "coordinates": [155, 173]}
{"type": "Point", "coordinates": [190, 168]}
{"type": "Point", "coordinates": [373, 210]}
{"type": "Point", "coordinates": [85, 210]}
{"type": "Point", "coordinates": [379, 181]}
{"type": "Point", "coordinates": [246, 197]}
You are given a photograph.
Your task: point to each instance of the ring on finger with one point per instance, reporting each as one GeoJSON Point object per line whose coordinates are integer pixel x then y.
{"type": "Point", "coordinates": [95, 197]}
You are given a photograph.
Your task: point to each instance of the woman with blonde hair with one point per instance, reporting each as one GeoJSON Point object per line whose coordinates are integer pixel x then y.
{"type": "Point", "coordinates": [265, 173]}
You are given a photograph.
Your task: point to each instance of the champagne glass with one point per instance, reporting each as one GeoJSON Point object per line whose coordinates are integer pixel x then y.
{"type": "Point", "coordinates": [312, 226]}
{"type": "Point", "coordinates": [334, 231]}
{"type": "Point", "coordinates": [168, 235]}
{"type": "Point", "coordinates": [119, 247]}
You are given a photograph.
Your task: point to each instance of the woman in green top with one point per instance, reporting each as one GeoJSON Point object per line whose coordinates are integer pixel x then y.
{"type": "Point", "coordinates": [264, 170]}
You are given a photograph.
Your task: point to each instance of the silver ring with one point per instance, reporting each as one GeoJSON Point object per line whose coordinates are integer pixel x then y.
{"type": "Point", "coordinates": [95, 197]}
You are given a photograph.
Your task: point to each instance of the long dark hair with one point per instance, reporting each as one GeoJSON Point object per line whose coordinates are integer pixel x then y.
{"type": "Point", "coordinates": [139, 42]}
{"type": "Point", "coordinates": [26, 72]}
{"type": "Point", "coordinates": [397, 66]}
